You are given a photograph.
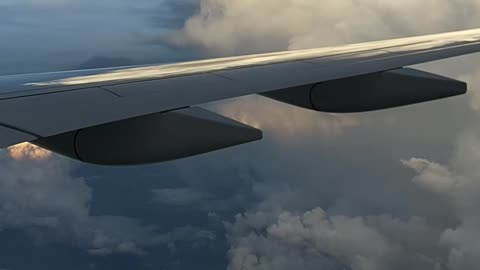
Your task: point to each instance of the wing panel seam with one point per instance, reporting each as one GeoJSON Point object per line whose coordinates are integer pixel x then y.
{"type": "Point", "coordinates": [20, 130]}
{"type": "Point", "coordinates": [110, 91]}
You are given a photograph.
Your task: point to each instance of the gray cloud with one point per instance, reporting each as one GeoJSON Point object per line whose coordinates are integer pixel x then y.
{"type": "Point", "coordinates": [459, 185]}
{"type": "Point", "coordinates": [314, 239]}
{"type": "Point", "coordinates": [43, 199]}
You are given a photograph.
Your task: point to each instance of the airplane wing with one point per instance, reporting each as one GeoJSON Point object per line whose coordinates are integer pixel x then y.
{"type": "Point", "coordinates": [143, 114]}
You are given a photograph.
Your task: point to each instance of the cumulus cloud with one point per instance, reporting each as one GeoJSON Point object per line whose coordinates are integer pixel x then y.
{"type": "Point", "coordinates": [25, 151]}
{"type": "Point", "coordinates": [45, 201]}
{"type": "Point", "coordinates": [357, 222]}
{"type": "Point", "coordinates": [315, 238]}
{"type": "Point", "coordinates": [457, 182]}
{"type": "Point", "coordinates": [461, 188]}
{"type": "Point", "coordinates": [473, 78]}
{"type": "Point", "coordinates": [43, 194]}
{"type": "Point", "coordinates": [373, 220]}
{"type": "Point", "coordinates": [235, 26]}
{"type": "Point", "coordinates": [431, 176]}
{"type": "Point", "coordinates": [337, 236]}
{"type": "Point", "coordinates": [285, 121]}
{"type": "Point", "coordinates": [223, 27]}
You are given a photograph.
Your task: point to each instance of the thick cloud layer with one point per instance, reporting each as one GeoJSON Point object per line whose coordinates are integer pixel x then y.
{"type": "Point", "coordinates": [237, 26]}
{"type": "Point", "coordinates": [379, 219]}
{"type": "Point", "coordinates": [314, 239]}
{"type": "Point", "coordinates": [42, 198]}
{"type": "Point", "coordinates": [458, 184]}
{"type": "Point", "coordinates": [329, 191]}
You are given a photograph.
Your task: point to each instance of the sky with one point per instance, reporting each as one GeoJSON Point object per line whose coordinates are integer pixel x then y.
{"type": "Point", "coordinates": [393, 189]}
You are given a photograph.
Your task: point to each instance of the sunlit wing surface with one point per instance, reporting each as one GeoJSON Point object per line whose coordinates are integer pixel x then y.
{"type": "Point", "coordinates": [37, 107]}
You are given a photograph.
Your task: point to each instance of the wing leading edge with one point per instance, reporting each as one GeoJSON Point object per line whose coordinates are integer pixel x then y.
{"type": "Point", "coordinates": [35, 106]}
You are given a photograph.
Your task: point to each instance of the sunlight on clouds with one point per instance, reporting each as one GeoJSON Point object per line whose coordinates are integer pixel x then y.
{"type": "Point", "coordinates": [284, 120]}
{"type": "Point", "coordinates": [307, 240]}
{"type": "Point", "coordinates": [28, 151]}
{"type": "Point", "coordinates": [225, 27]}
{"type": "Point", "coordinates": [474, 88]}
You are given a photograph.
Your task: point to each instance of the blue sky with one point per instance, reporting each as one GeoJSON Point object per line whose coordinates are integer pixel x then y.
{"type": "Point", "coordinates": [393, 189]}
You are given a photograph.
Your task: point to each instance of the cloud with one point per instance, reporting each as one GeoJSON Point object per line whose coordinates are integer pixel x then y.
{"type": "Point", "coordinates": [315, 238]}
{"type": "Point", "coordinates": [285, 121]}
{"type": "Point", "coordinates": [46, 202]}
{"type": "Point", "coordinates": [41, 194]}
{"type": "Point", "coordinates": [326, 185]}
{"type": "Point", "coordinates": [337, 236]}
{"type": "Point", "coordinates": [461, 188]}
{"type": "Point", "coordinates": [25, 151]}
{"type": "Point", "coordinates": [474, 85]}
{"type": "Point", "coordinates": [431, 176]}
{"type": "Point", "coordinates": [239, 26]}
{"type": "Point", "coordinates": [223, 27]}
{"type": "Point", "coordinates": [321, 190]}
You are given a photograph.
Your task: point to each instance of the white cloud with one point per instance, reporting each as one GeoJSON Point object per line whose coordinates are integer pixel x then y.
{"type": "Point", "coordinates": [277, 239]}
{"type": "Point", "coordinates": [338, 236]}
{"type": "Point", "coordinates": [431, 176]}
{"type": "Point", "coordinates": [47, 202]}
{"type": "Point", "coordinates": [224, 27]}
{"type": "Point", "coordinates": [41, 194]}
{"type": "Point", "coordinates": [44, 200]}
{"type": "Point", "coordinates": [286, 121]}
{"type": "Point", "coordinates": [315, 239]}
{"type": "Point", "coordinates": [461, 188]}
{"type": "Point", "coordinates": [233, 26]}
{"type": "Point", "coordinates": [25, 151]}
